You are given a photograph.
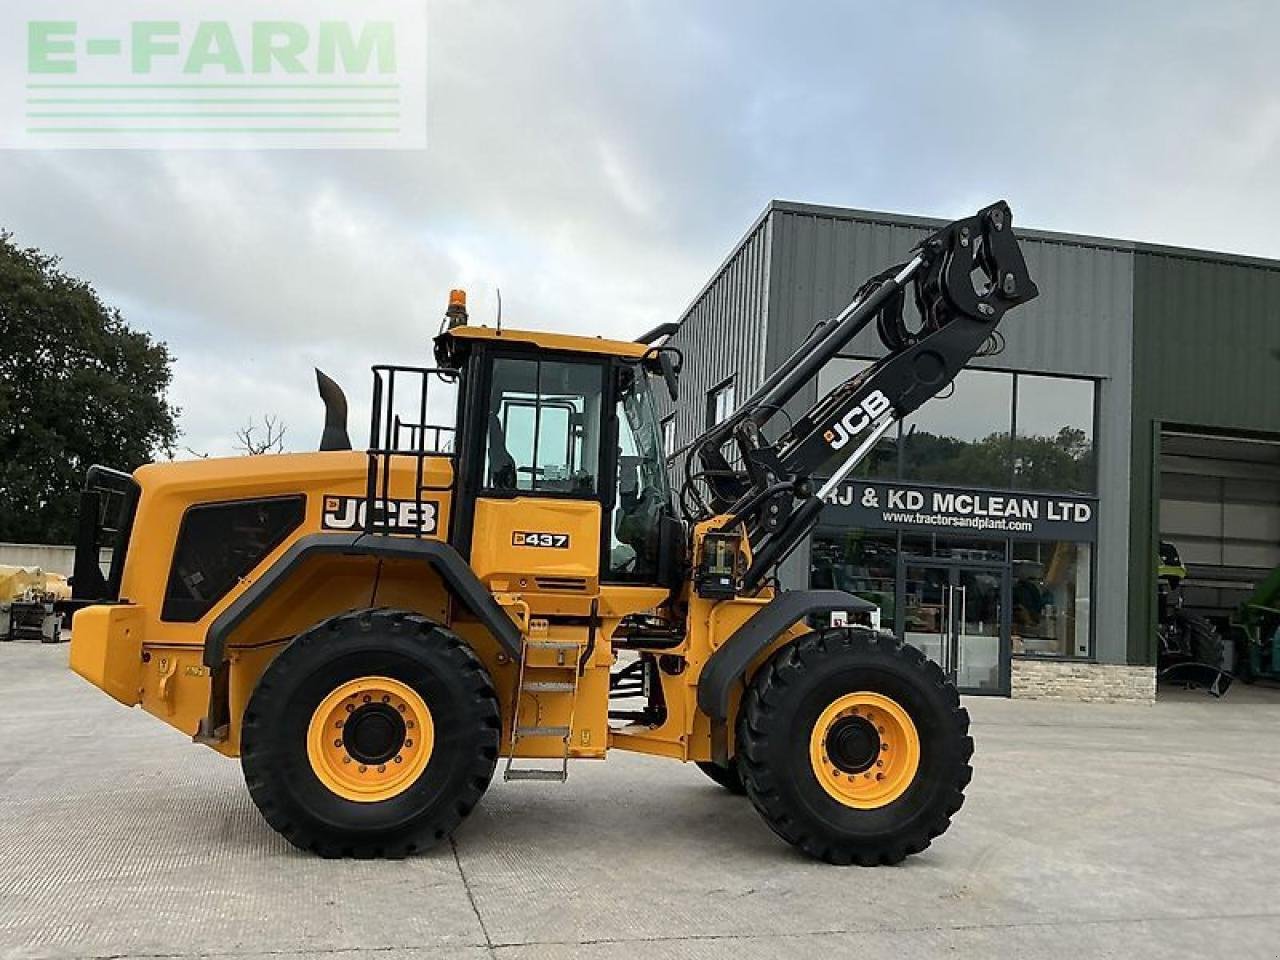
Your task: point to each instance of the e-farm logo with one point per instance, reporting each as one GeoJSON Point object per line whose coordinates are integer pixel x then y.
{"type": "Point", "coordinates": [235, 73]}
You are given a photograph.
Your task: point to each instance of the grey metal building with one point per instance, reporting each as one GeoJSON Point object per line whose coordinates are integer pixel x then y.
{"type": "Point", "coordinates": [1010, 529]}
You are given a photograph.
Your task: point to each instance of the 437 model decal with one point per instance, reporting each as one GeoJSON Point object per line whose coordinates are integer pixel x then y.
{"type": "Point", "coordinates": [529, 538]}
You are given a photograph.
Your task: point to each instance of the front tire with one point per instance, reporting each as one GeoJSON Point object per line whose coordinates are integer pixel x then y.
{"type": "Point", "coordinates": [372, 734]}
{"type": "Point", "coordinates": [854, 747]}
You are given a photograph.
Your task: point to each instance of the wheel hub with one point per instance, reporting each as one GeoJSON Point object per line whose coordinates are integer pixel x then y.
{"type": "Point", "coordinates": [374, 733]}
{"type": "Point", "coordinates": [370, 739]}
{"type": "Point", "coordinates": [853, 744]}
{"type": "Point", "coordinates": [864, 750]}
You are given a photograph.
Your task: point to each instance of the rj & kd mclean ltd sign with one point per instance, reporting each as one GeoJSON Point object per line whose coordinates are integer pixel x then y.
{"type": "Point", "coordinates": [1001, 513]}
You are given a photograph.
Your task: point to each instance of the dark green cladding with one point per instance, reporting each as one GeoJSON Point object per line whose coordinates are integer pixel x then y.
{"type": "Point", "coordinates": [1206, 354]}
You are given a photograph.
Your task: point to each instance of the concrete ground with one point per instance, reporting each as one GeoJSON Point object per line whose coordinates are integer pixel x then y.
{"type": "Point", "coordinates": [1090, 831]}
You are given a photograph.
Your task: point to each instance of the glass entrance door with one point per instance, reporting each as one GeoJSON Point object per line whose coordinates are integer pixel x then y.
{"type": "Point", "coordinates": [955, 615]}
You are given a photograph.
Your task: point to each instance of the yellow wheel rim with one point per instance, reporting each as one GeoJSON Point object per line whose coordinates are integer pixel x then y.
{"type": "Point", "coordinates": [865, 750]}
{"type": "Point", "coordinates": [370, 739]}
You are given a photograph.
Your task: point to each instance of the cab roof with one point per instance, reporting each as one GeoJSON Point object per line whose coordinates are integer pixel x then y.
{"type": "Point", "coordinates": [548, 341]}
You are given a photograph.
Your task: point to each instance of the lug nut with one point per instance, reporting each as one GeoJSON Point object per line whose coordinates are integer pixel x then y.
{"type": "Point", "coordinates": [337, 743]}
{"type": "Point", "coordinates": [409, 724]}
{"type": "Point", "coordinates": [346, 759]}
{"type": "Point", "coordinates": [385, 698]}
{"type": "Point", "coordinates": [366, 698]}
{"type": "Point", "coordinates": [408, 743]}
{"type": "Point", "coordinates": [399, 759]}
{"type": "Point", "coordinates": [382, 768]}
{"type": "Point", "coordinates": [363, 768]}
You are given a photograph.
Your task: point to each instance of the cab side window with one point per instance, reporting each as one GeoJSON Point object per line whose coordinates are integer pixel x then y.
{"type": "Point", "coordinates": [543, 432]}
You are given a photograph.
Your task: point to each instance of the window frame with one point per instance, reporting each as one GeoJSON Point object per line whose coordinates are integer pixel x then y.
{"type": "Point", "coordinates": [1095, 425]}
{"type": "Point", "coordinates": [897, 435]}
{"type": "Point", "coordinates": [668, 452]}
{"type": "Point", "coordinates": [729, 383]}
{"type": "Point", "coordinates": [604, 465]}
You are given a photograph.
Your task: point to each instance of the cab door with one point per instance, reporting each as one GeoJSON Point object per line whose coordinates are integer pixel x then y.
{"type": "Point", "coordinates": [539, 451]}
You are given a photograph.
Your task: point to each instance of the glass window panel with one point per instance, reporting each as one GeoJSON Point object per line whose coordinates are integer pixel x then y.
{"type": "Point", "coordinates": [1052, 592]}
{"type": "Point", "coordinates": [1053, 449]}
{"type": "Point", "coordinates": [721, 402]}
{"type": "Point", "coordinates": [964, 436]}
{"type": "Point", "coordinates": [954, 548]}
{"type": "Point", "coordinates": [642, 497]}
{"type": "Point", "coordinates": [864, 564]}
{"type": "Point", "coordinates": [669, 436]}
{"type": "Point", "coordinates": [544, 426]}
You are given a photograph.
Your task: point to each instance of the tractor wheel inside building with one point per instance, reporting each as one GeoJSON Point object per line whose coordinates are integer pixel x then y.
{"type": "Point", "coordinates": [1205, 642]}
{"type": "Point", "coordinates": [727, 777]}
{"type": "Point", "coordinates": [372, 734]}
{"type": "Point", "coordinates": [854, 747]}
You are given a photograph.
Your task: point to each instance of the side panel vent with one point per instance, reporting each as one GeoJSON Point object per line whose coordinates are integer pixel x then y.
{"type": "Point", "coordinates": [565, 584]}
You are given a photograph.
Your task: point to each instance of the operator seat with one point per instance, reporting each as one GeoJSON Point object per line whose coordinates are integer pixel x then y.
{"type": "Point", "coordinates": [502, 466]}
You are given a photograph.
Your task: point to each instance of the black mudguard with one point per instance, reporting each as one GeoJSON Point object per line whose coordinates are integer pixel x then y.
{"type": "Point", "coordinates": [440, 556]}
{"type": "Point", "coordinates": [728, 665]}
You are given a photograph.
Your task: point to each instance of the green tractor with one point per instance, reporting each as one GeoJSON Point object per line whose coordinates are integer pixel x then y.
{"type": "Point", "coordinates": [1192, 652]}
{"type": "Point", "coordinates": [1256, 632]}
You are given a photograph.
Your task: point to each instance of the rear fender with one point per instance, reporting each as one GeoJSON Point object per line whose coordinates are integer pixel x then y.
{"type": "Point", "coordinates": [439, 557]}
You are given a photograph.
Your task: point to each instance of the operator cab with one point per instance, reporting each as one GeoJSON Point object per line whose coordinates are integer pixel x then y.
{"type": "Point", "coordinates": [567, 427]}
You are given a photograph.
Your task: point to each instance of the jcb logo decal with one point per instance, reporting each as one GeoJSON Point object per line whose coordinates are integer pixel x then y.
{"type": "Point", "coordinates": [394, 516]}
{"type": "Point", "coordinates": [525, 538]}
{"type": "Point", "coordinates": [856, 420]}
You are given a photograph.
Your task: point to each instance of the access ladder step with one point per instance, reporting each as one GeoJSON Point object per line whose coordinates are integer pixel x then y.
{"type": "Point", "coordinates": [542, 731]}
{"type": "Point", "coordinates": [559, 776]}
{"type": "Point", "coordinates": [548, 686]}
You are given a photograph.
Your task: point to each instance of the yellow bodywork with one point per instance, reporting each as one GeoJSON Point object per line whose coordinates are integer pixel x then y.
{"type": "Point", "coordinates": [139, 658]}
{"type": "Point", "coordinates": [553, 341]}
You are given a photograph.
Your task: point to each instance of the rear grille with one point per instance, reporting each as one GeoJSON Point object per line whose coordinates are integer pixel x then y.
{"type": "Point", "coordinates": [574, 584]}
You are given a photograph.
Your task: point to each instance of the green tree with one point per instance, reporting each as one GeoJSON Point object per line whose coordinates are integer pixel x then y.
{"type": "Point", "coordinates": [77, 387]}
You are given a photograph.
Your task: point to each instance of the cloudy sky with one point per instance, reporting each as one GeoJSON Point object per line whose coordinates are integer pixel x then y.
{"type": "Point", "coordinates": [596, 161]}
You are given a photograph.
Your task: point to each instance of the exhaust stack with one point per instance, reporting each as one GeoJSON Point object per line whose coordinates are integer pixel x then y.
{"type": "Point", "coordinates": [335, 435]}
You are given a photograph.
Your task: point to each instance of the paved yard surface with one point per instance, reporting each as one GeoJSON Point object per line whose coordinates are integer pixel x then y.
{"type": "Point", "coordinates": [1090, 831]}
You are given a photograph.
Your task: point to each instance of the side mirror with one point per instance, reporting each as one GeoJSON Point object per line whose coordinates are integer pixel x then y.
{"type": "Point", "coordinates": [670, 361]}
{"type": "Point", "coordinates": [670, 373]}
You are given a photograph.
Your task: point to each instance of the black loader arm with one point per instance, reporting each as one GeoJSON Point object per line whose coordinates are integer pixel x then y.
{"type": "Point", "coordinates": [964, 278]}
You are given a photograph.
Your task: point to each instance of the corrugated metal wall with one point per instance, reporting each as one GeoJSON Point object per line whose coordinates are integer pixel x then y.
{"type": "Point", "coordinates": [722, 333]}
{"type": "Point", "coordinates": [1207, 338]}
{"type": "Point", "coordinates": [1081, 325]}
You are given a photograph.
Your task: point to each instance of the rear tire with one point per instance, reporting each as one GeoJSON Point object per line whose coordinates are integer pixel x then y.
{"type": "Point", "coordinates": [302, 774]}
{"type": "Point", "coordinates": [728, 777]}
{"type": "Point", "coordinates": [853, 747]}
{"type": "Point", "coordinates": [1207, 644]}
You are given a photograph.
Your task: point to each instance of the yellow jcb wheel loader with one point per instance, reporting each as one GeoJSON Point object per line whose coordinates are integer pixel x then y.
{"type": "Point", "coordinates": [373, 632]}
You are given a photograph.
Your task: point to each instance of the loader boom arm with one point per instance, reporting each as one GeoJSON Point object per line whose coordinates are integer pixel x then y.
{"type": "Point", "coordinates": [964, 278]}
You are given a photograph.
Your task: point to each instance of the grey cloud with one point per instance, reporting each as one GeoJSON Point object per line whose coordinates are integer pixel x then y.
{"type": "Point", "coordinates": [597, 160]}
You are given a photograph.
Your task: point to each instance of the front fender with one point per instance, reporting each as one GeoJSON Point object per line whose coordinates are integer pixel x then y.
{"type": "Point", "coordinates": [729, 663]}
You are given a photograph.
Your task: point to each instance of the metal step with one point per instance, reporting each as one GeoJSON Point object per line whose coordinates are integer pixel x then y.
{"type": "Point", "coordinates": [559, 776]}
{"type": "Point", "coordinates": [552, 645]}
{"type": "Point", "coordinates": [547, 686]}
{"type": "Point", "coordinates": [542, 731]}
